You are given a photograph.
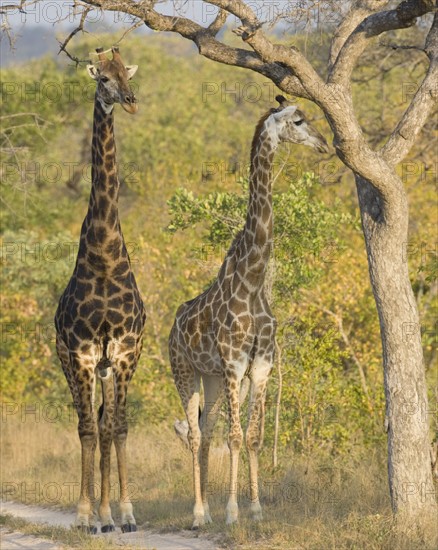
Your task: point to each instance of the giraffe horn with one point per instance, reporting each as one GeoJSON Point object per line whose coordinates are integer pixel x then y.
{"type": "Point", "coordinates": [116, 52]}
{"type": "Point", "coordinates": [282, 100]}
{"type": "Point", "coordinates": [101, 54]}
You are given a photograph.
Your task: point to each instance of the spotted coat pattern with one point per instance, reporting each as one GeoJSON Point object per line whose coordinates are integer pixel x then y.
{"type": "Point", "coordinates": [100, 317]}
{"type": "Point", "coordinates": [227, 333]}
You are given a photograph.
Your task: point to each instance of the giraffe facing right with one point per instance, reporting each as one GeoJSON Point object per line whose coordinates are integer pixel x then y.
{"type": "Point", "coordinates": [228, 332]}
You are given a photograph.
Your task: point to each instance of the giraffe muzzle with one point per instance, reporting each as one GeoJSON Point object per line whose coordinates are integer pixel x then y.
{"type": "Point", "coordinates": [322, 146]}
{"type": "Point", "coordinates": [130, 104]}
{"type": "Point", "coordinates": [319, 142]}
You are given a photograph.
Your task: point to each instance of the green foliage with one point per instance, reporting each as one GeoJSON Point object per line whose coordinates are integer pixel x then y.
{"type": "Point", "coordinates": [305, 228]}
{"type": "Point", "coordinates": [34, 271]}
{"type": "Point", "coordinates": [316, 390]}
{"type": "Point", "coordinates": [225, 213]}
{"type": "Point", "coordinates": [306, 231]}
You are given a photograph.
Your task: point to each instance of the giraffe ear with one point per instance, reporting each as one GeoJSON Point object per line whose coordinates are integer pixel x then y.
{"type": "Point", "coordinates": [132, 69]}
{"type": "Point", "coordinates": [287, 111]}
{"type": "Point", "coordinates": [92, 71]}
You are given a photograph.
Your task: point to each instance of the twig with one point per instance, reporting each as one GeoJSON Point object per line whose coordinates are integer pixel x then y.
{"type": "Point", "coordinates": [402, 47]}
{"type": "Point", "coordinates": [136, 25]}
{"type": "Point", "coordinates": [339, 321]}
{"type": "Point", "coordinates": [13, 115]}
{"type": "Point", "coordinates": [80, 27]}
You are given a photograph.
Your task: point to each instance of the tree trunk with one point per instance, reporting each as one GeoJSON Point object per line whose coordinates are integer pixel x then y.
{"type": "Point", "coordinates": [409, 469]}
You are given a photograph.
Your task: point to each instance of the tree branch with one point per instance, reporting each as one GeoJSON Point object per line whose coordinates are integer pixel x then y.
{"type": "Point", "coordinates": [218, 23]}
{"type": "Point", "coordinates": [204, 38]}
{"type": "Point", "coordinates": [354, 17]}
{"type": "Point", "coordinates": [279, 363]}
{"type": "Point", "coordinates": [416, 115]}
{"type": "Point", "coordinates": [238, 8]}
{"type": "Point", "coordinates": [5, 8]}
{"type": "Point", "coordinates": [289, 57]}
{"type": "Point", "coordinates": [251, 33]}
{"type": "Point", "coordinates": [403, 16]}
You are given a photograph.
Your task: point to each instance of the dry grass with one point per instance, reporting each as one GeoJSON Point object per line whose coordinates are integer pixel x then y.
{"type": "Point", "coordinates": [311, 505]}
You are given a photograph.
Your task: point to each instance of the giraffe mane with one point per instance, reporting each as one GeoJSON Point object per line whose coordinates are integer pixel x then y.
{"type": "Point", "coordinates": [234, 243]}
{"type": "Point", "coordinates": [258, 130]}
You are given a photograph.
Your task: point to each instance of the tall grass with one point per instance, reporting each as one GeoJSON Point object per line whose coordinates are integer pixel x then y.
{"type": "Point", "coordinates": [316, 503]}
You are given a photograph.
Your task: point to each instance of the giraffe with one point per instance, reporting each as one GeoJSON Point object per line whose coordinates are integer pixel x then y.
{"type": "Point", "coordinates": [100, 317]}
{"type": "Point", "coordinates": [227, 333]}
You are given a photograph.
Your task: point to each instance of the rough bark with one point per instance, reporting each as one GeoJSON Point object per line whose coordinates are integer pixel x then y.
{"type": "Point", "coordinates": [410, 476]}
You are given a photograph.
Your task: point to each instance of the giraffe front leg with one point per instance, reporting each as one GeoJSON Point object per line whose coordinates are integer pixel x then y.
{"type": "Point", "coordinates": [106, 428]}
{"type": "Point", "coordinates": [92, 491]}
{"type": "Point", "coordinates": [128, 523]}
{"type": "Point", "coordinates": [85, 517]}
{"type": "Point", "coordinates": [254, 433]}
{"type": "Point", "coordinates": [194, 438]}
{"type": "Point", "coordinates": [213, 391]}
{"type": "Point", "coordinates": [235, 437]}
{"type": "Point", "coordinates": [87, 429]}
{"type": "Point", "coordinates": [72, 368]}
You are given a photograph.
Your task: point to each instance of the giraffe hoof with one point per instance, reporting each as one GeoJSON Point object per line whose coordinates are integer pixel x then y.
{"type": "Point", "coordinates": [256, 511]}
{"type": "Point", "coordinates": [232, 514]}
{"type": "Point", "coordinates": [197, 523]}
{"type": "Point", "coordinates": [207, 518]}
{"type": "Point", "coordinates": [129, 528]}
{"type": "Point", "coordinates": [108, 528]}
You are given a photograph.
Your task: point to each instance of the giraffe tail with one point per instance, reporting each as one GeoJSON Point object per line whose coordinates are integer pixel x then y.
{"type": "Point", "coordinates": [181, 428]}
{"type": "Point", "coordinates": [104, 372]}
{"type": "Point", "coordinates": [103, 368]}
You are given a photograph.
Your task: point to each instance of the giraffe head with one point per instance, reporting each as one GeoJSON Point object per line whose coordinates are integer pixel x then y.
{"type": "Point", "coordinates": [287, 123]}
{"type": "Point", "coordinates": [112, 77]}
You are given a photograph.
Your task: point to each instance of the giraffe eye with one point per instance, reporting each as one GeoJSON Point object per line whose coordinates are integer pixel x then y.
{"type": "Point", "coordinates": [104, 78]}
{"type": "Point", "coordinates": [298, 122]}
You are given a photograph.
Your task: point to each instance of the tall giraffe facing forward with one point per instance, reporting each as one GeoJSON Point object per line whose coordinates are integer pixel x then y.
{"type": "Point", "coordinates": [228, 331]}
{"type": "Point", "coordinates": [100, 317]}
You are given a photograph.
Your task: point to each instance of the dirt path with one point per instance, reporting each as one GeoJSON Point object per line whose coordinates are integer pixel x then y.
{"type": "Point", "coordinates": [140, 539]}
{"type": "Point", "coordinates": [12, 540]}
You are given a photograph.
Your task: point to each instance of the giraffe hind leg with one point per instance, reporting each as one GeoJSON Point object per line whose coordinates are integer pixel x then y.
{"type": "Point", "coordinates": [187, 382]}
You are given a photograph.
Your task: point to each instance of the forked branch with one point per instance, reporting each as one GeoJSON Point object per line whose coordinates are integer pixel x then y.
{"type": "Point", "coordinates": [403, 16]}
{"type": "Point", "coordinates": [418, 112]}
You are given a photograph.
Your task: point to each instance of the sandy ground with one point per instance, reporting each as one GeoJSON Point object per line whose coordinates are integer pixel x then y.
{"type": "Point", "coordinates": [140, 539]}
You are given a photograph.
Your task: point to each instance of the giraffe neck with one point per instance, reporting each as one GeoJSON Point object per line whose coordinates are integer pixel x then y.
{"type": "Point", "coordinates": [101, 236]}
{"type": "Point", "coordinates": [257, 233]}
{"type": "Point", "coordinates": [105, 183]}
